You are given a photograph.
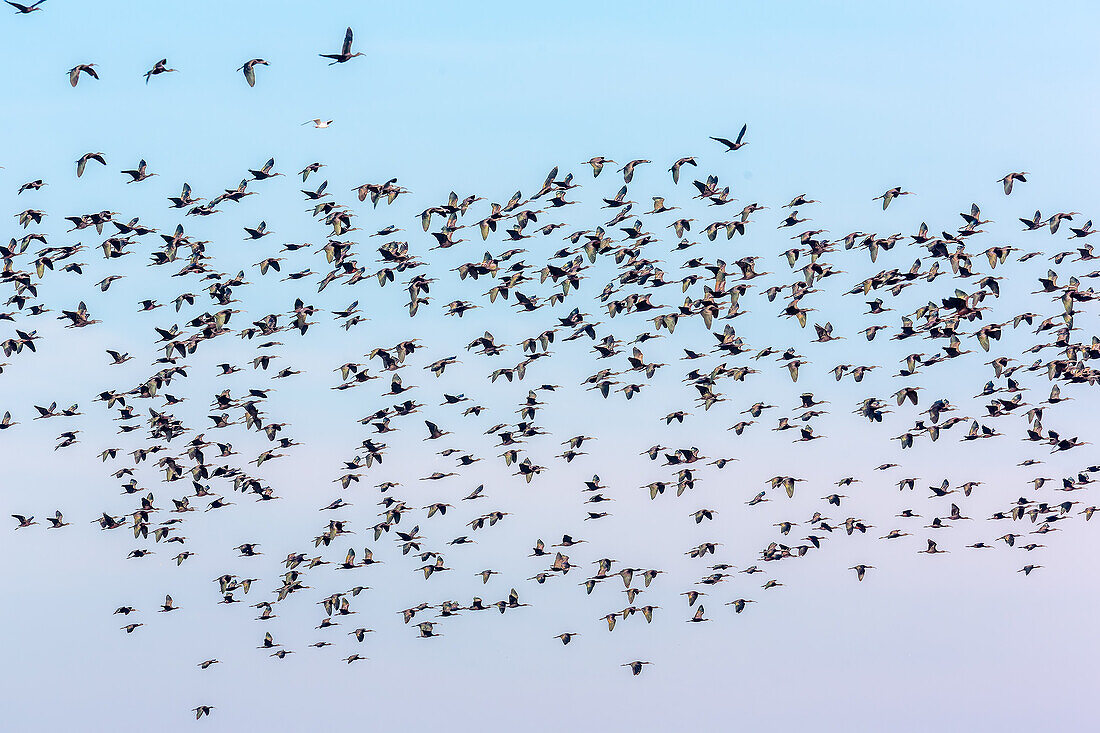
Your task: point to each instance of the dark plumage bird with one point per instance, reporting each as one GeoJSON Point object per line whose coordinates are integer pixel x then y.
{"type": "Point", "coordinates": [76, 71]}
{"type": "Point", "coordinates": [249, 69]}
{"type": "Point", "coordinates": [83, 161]}
{"type": "Point", "coordinates": [24, 9]}
{"type": "Point", "coordinates": [345, 51]}
{"type": "Point", "coordinates": [736, 144]}
{"type": "Point", "coordinates": [160, 67]}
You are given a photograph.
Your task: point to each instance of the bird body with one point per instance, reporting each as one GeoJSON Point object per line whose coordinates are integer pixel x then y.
{"type": "Point", "coordinates": [345, 53]}
{"type": "Point", "coordinates": [160, 67]}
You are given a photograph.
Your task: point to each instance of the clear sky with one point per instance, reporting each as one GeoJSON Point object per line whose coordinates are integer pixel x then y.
{"type": "Point", "coordinates": [842, 100]}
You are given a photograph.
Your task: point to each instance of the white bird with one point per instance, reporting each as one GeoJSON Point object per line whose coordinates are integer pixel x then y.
{"type": "Point", "coordinates": [318, 123]}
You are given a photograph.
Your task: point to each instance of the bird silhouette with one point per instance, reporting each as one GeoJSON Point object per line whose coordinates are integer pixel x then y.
{"type": "Point", "coordinates": [345, 51]}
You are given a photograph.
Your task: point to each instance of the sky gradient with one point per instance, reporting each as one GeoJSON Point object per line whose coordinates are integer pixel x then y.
{"type": "Point", "coordinates": [842, 102]}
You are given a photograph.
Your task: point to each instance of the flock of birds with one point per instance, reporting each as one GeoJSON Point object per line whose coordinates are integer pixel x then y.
{"type": "Point", "coordinates": [537, 281]}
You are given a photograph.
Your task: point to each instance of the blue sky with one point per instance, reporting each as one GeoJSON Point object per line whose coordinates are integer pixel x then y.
{"type": "Point", "coordinates": [842, 101]}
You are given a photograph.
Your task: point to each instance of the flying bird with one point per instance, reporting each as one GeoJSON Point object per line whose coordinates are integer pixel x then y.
{"type": "Point", "coordinates": [160, 67]}
{"type": "Point", "coordinates": [737, 144]}
{"type": "Point", "coordinates": [345, 51]}
{"type": "Point", "coordinates": [75, 72]}
{"type": "Point", "coordinates": [249, 69]}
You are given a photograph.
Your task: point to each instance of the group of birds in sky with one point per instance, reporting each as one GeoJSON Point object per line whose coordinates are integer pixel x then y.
{"type": "Point", "coordinates": [248, 68]}
{"type": "Point", "coordinates": [639, 280]}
